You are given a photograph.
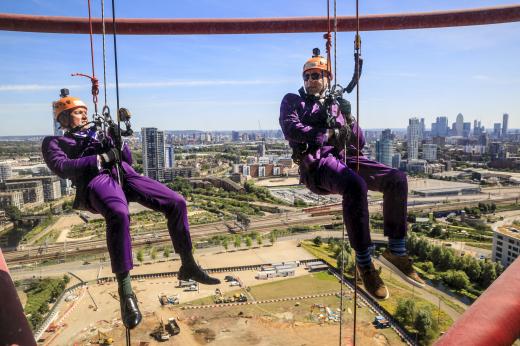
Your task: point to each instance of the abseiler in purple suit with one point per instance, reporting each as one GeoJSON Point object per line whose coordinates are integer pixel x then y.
{"type": "Point", "coordinates": [327, 144]}
{"type": "Point", "coordinates": [75, 157]}
{"type": "Point", "coordinates": [304, 122]}
{"type": "Point", "coordinates": [89, 159]}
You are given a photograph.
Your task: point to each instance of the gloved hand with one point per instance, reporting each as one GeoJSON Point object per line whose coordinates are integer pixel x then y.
{"type": "Point", "coordinates": [110, 158]}
{"type": "Point", "coordinates": [346, 109]}
{"type": "Point", "coordinates": [341, 137]}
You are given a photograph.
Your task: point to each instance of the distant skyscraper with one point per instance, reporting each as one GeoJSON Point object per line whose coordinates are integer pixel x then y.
{"type": "Point", "coordinates": [466, 130]}
{"type": "Point", "coordinates": [261, 149]}
{"type": "Point", "coordinates": [459, 123]}
{"type": "Point", "coordinates": [497, 130]}
{"type": "Point", "coordinates": [430, 152]}
{"type": "Point", "coordinates": [413, 138]}
{"type": "Point", "coordinates": [385, 148]}
{"type": "Point", "coordinates": [169, 156]}
{"type": "Point", "coordinates": [153, 152]}
{"type": "Point", "coordinates": [505, 121]}
{"type": "Point", "coordinates": [235, 136]}
{"type": "Point", "coordinates": [396, 160]}
{"type": "Point", "coordinates": [423, 129]}
{"type": "Point", "coordinates": [440, 127]}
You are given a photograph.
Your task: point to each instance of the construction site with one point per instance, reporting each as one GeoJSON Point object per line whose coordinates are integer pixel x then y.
{"type": "Point", "coordinates": [242, 310]}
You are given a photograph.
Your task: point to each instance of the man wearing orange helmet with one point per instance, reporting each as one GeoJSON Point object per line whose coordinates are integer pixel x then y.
{"type": "Point", "coordinates": [319, 130]}
{"type": "Point", "coordinates": [88, 158]}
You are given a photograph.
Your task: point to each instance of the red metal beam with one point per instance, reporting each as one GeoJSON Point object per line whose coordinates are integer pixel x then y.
{"type": "Point", "coordinates": [14, 328]}
{"type": "Point", "coordinates": [494, 318]}
{"type": "Point", "coordinates": [140, 26]}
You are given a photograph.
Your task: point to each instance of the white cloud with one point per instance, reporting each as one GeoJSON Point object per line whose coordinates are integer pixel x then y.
{"type": "Point", "coordinates": [144, 85]}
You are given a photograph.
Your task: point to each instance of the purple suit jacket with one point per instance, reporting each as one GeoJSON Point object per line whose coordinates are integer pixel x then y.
{"type": "Point", "coordinates": [303, 121]}
{"type": "Point", "coordinates": [75, 158]}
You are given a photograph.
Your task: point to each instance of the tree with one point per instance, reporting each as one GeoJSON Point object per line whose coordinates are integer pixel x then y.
{"type": "Point", "coordinates": [428, 267]}
{"type": "Point", "coordinates": [317, 241]}
{"type": "Point", "coordinates": [248, 241]}
{"type": "Point", "coordinates": [237, 241]}
{"type": "Point", "coordinates": [425, 325]}
{"type": "Point", "coordinates": [473, 269]}
{"type": "Point", "coordinates": [166, 251]}
{"type": "Point", "coordinates": [405, 311]}
{"type": "Point", "coordinates": [13, 213]}
{"type": "Point", "coordinates": [347, 261]}
{"type": "Point", "coordinates": [488, 274]}
{"type": "Point", "coordinates": [272, 238]}
{"type": "Point", "coordinates": [225, 243]}
{"type": "Point", "coordinates": [447, 260]}
{"type": "Point", "coordinates": [259, 240]}
{"type": "Point", "coordinates": [140, 256]}
{"type": "Point", "coordinates": [456, 279]}
{"type": "Point", "coordinates": [436, 231]}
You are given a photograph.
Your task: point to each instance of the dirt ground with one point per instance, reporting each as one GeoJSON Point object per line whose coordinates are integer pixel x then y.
{"type": "Point", "coordinates": [281, 323]}
{"type": "Point", "coordinates": [64, 224]}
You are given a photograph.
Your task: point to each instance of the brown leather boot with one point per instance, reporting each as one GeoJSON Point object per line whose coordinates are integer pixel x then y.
{"type": "Point", "coordinates": [373, 282]}
{"type": "Point", "coordinates": [402, 265]}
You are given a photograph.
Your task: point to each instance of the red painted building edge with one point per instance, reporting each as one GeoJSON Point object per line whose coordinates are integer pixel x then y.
{"type": "Point", "coordinates": [494, 318]}
{"type": "Point", "coordinates": [197, 26]}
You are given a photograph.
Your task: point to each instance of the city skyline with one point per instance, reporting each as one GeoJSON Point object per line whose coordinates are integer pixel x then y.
{"type": "Point", "coordinates": [226, 82]}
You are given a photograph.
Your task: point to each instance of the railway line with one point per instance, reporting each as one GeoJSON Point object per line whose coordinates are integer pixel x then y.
{"type": "Point", "coordinates": [308, 216]}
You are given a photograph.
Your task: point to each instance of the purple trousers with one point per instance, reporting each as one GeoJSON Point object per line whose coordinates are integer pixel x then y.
{"type": "Point", "coordinates": [107, 197]}
{"type": "Point", "coordinates": [333, 176]}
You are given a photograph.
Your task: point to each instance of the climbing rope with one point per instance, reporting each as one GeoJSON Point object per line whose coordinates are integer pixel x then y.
{"type": "Point", "coordinates": [357, 48]}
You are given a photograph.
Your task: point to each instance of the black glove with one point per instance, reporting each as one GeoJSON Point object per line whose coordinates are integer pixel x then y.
{"type": "Point", "coordinates": [341, 137]}
{"type": "Point", "coordinates": [110, 158]}
{"type": "Point", "coordinates": [346, 110]}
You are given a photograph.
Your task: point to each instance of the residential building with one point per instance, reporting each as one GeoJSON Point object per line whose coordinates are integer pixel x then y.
{"type": "Point", "coordinates": [32, 190]}
{"type": "Point", "coordinates": [413, 138]}
{"type": "Point", "coordinates": [5, 171]}
{"type": "Point", "coordinates": [169, 156]}
{"type": "Point", "coordinates": [385, 148]}
{"type": "Point", "coordinates": [153, 153]}
{"type": "Point", "coordinates": [506, 244]}
{"type": "Point", "coordinates": [12, 198]}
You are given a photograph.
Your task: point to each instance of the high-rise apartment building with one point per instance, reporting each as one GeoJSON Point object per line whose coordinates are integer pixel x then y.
{"type": "Point", "coordinates": [385, 148]}
{"type": "Point", "coordinates": [413, 138]}
{"type": "Point", "coordinates": [505, 124]}
{"type": "Point", "coordinates": [153, 152]}
{"type": "Point", "coordinates": [169, 156]}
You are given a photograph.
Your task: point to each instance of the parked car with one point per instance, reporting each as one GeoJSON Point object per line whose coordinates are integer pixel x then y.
{"type": "Point", "coordinates": [228, 278]}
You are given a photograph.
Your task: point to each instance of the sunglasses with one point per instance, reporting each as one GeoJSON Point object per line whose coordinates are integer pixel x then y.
{"type": "Point", "coordinates": [314, 76]}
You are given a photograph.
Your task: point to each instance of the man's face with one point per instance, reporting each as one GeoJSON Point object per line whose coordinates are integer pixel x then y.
{"type": "Point", "coordinates": [77, 117]}
{"type": "Point", "coordinates": [315, 81]}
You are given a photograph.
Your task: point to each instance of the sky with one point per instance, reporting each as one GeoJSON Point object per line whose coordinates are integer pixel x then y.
{"type": "Point", "coordinates": [236, 82]}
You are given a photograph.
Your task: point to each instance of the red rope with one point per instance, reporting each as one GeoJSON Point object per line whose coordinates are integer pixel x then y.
{"type": "Point", "coordinates": [93, 79]}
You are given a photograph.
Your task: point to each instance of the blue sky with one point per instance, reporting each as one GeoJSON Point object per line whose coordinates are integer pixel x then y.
{"type": "Point", "coordinates": [224, 82]}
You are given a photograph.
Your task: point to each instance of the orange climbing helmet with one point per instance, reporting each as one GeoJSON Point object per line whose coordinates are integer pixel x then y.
{"type": "Point", "coordinates": [317, 62]}
{"type": "Point", "coordinates": [66, 103]}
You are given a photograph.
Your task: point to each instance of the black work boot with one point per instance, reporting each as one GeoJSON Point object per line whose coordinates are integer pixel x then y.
{"type": "Point", "coordinates": [130, 313]}
{"type": "Point", "coordinates": [190, 270]}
